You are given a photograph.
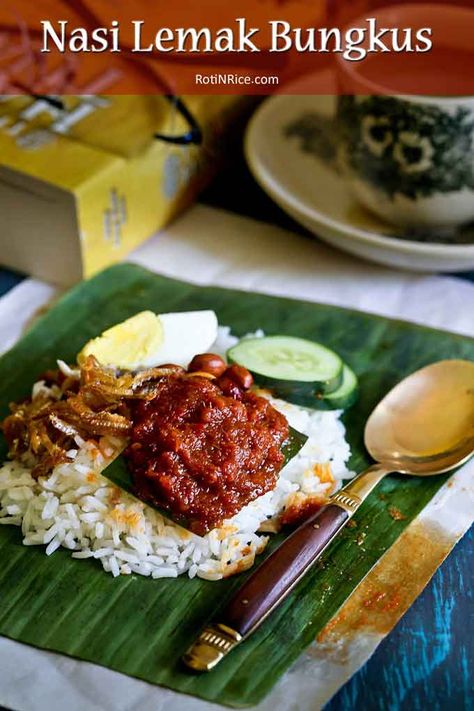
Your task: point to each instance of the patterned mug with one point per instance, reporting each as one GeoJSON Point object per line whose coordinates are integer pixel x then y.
{"type": "Point", "coordinates": [409, 158]}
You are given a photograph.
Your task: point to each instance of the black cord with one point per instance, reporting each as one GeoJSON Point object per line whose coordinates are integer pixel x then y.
{"type": "Point", "coordinates": [52, 101]}
{"type": "Point", "coordinates": [194, 135]}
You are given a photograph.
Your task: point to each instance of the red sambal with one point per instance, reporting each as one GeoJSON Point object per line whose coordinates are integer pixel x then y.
{"type": "Point", "coordinates": [205, 446]}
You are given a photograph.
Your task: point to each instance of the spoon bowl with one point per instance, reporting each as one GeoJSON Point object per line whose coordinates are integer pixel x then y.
{"type": "Point", "coordinates": [425, 424]}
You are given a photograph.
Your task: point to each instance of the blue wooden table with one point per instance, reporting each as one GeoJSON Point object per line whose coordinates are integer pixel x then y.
{"type": "Point", "coordinates": [426, 662]}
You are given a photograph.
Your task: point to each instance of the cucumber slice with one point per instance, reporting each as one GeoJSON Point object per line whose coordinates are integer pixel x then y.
{"type": "Point", "coordinates": [292, 368]}
{"type": "Point", "coordinates": [344, 396]}
{"type": "Point", "coordinates": [340, 399]}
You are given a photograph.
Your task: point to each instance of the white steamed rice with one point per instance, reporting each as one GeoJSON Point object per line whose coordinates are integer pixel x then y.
{"type": "Point", "coordinates": [78, 509]}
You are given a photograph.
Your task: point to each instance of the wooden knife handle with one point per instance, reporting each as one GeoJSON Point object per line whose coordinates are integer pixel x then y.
{"type": "Point", "coordinates": [279, 573]}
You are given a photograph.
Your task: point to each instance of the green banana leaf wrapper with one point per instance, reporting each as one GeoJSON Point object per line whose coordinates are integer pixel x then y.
{"type": "Point", "coordinates": [141, 627]}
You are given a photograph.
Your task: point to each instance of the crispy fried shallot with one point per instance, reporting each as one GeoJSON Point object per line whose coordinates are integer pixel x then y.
{"type": "Point", "coordinates": [45, 425]}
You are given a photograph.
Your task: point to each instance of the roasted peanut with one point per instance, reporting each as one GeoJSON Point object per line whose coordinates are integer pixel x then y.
{"type": "Point", "coordinates": [209, 363]}
{"type": "Point", "coordinates": [240, 375]}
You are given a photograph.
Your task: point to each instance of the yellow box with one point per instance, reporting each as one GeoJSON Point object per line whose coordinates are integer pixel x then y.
{"type": "Point", "coordinates": [84, 180]}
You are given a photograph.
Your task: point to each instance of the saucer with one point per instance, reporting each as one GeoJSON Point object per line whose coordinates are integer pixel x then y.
{"type": "Point", "coordinates": [290, 147]}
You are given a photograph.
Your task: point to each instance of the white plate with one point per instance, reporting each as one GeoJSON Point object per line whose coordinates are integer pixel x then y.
{"type": "Point", "coordinates": [288, 147]}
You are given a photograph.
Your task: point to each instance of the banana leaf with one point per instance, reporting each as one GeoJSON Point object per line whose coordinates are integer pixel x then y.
{"type": "Point", "coordinates": [140, 626]}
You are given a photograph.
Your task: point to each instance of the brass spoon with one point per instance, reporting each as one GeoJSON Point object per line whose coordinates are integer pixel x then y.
{"type": "Point", "coordinates": [424, 426]}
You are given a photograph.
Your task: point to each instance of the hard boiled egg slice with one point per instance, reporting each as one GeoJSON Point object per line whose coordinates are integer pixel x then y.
{"type": "Point", "coordinates": [186, 334]}
{"type": "Point", "coordinates": [147, 339]}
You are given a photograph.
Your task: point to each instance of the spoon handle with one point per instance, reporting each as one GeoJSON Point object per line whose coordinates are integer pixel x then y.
{"type": "Point", "coordinates": [279, 573]}
{"type": "Point", "coordinates": [276, 577]}
{"type": "Point", "coordinates": [267, 587]}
